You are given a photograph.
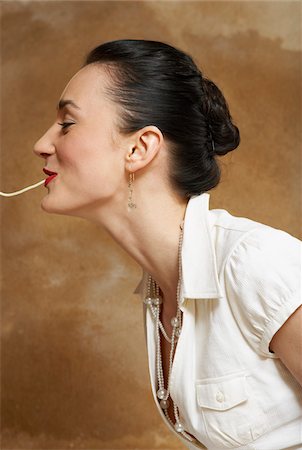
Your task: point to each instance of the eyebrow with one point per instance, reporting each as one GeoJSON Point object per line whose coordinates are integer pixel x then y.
{"type": "Point", "coordinates": [65, 102]}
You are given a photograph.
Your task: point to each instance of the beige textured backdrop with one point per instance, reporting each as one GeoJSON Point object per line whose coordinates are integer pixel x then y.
{"type": "Point", "coordinates": [74, 366]}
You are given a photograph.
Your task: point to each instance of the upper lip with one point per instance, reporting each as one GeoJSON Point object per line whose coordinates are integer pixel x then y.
{"type": "Point", "coordinates": [49, 172]}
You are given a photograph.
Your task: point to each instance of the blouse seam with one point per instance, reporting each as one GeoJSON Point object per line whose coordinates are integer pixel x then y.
{"type": "Point", "coordinates": [237, 243]}
{"type": "Point", "coordinates": [234, 228]}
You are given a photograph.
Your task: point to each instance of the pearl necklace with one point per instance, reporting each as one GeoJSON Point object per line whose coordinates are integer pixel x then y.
{"type": "Point", "coordinates": [153, 301]}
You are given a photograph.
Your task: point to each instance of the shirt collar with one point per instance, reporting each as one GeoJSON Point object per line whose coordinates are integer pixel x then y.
{"type": "Point", "coordinates": [199, 266]}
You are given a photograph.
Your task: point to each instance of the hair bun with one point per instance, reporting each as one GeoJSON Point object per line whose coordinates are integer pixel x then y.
{"type": "Point", "coordinates": [224, 133]}
{"type": "Point", "coordinates": [155, 83]}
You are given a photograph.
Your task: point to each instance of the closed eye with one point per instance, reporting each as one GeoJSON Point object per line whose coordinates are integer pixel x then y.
{"type": "Point", "coordinates": [65, 125]}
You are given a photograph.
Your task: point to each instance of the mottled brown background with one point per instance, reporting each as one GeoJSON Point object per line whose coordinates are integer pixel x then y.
{"type": "Point", "coordinates": [74, 366]}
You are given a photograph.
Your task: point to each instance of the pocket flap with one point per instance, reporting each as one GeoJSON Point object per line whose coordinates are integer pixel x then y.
{"type": "Point", "coordinates": [221, 393]}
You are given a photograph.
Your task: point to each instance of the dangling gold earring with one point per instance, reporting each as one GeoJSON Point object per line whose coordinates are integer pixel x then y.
{"type": "Point", "coordinates": [131, 204]}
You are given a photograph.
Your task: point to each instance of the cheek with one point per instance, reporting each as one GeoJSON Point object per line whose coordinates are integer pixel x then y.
{"type": "Point", "coordinates": [88, 167]}
{"type": "Point", "coordinates": [102, 175]}
{"type": "Point", "coordinates": [91, 161]}
{"type": "Point", "coordinates": [78, 154]}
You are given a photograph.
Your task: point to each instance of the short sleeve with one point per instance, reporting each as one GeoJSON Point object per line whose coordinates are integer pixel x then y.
{"type": "Point", "coordinates": [263, 283]}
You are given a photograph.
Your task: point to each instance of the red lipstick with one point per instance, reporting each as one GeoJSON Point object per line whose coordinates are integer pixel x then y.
{"type": "Point", "coordinates": [51, 177]}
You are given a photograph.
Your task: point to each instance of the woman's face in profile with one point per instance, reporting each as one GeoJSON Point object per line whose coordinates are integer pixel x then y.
{"type": "Point", "coordinates": [84, 151]}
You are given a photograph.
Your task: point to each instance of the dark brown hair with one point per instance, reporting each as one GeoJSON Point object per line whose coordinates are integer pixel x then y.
{"type": "Point", "coordinates": [157, 84]}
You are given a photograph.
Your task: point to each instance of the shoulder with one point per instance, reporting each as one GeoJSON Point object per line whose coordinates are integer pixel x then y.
{"type": "Point", "coordinates": [268, 253]}
{"type": "Point", "coordinates": [238, 237]}
{"type": "Point", "coordinates": [233, 233]}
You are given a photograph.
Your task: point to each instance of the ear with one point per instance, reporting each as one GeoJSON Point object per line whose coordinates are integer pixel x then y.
{"type": "Point", "coordinates": [144, 147]}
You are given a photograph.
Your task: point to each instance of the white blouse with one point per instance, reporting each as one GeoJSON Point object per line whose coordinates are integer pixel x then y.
{"type": "Point", "coordinates": [241, 280]}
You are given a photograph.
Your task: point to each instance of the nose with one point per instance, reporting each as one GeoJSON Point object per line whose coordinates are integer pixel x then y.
{"type": "Point", "coordinates": [45, 147]}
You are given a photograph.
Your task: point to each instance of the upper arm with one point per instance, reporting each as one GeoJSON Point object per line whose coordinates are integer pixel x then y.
{"type": "Point", "coordinates": [287, 344]}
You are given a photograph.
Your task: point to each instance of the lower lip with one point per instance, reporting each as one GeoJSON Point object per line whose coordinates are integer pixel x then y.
{"type": "Point", "coordinates": [48, 180]}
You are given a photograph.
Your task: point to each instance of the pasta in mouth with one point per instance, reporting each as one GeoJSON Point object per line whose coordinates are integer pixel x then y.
{"type": "Point", "coordinates": [12, 194]}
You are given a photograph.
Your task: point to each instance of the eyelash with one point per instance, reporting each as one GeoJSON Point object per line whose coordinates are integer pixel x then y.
{"type": "Point", "coordinates": [65, 125]}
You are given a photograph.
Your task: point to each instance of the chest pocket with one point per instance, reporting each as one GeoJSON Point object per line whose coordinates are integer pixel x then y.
{"type": "Point", "coordinates": [231, 413]}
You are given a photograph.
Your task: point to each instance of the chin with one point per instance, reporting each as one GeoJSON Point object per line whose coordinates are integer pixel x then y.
{"type": "Point", "coordinates": [54, 206]}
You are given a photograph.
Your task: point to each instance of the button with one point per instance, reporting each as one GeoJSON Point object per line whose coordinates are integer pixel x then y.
{"type": "Point", "coordinates": [219, 396]}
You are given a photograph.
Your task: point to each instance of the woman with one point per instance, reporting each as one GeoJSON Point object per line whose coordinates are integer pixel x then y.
{"type": "Point", "coordinates": [134, 148]}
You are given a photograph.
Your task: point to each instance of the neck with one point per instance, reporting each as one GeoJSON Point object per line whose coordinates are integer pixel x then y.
{"type": "Point", "coordinates": [150, 235]}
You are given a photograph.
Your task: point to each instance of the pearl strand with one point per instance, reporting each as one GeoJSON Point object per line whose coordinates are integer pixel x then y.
{"type": "Point", "coordinates": [154, 304]}
{"type": "Point", "coordinates": [149, 301]}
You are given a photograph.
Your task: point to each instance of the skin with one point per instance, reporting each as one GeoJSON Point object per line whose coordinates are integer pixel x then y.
{"type": "Point", "coordinates": [287, 344]}
{"type": "Point", "coordinates": [93, 161]}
